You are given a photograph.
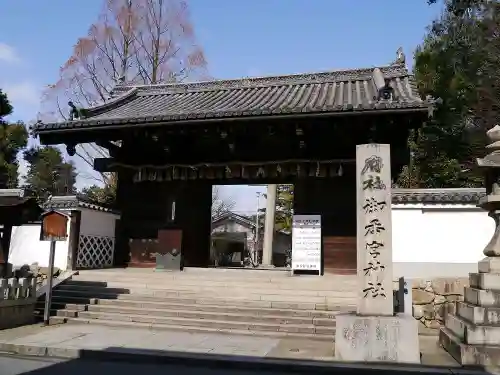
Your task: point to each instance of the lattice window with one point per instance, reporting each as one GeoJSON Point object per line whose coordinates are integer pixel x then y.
{"type": "Point", "coordinates": [95, 251]}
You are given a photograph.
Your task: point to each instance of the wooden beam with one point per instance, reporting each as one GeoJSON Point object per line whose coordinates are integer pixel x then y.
{"type": "Point", "coordinates": [105, 165]}
{"type": "Point", "coordinates": [113, 149]}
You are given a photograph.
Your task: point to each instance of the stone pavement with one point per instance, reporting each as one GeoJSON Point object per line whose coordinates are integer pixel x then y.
{"type": "Point", "coordinates": [16, 365]}
{"type": "Point", "coordinates": [67, 339]}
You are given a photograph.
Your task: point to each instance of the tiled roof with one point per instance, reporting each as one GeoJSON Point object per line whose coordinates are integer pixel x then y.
{"type": "Point", "coordinates": [328, 92]}
{"type": "Point", "coordinates": [233, 216]}
{"type": "Point", "coordinates": [437, 196]}
{"type": "Point", "coordinates": [250, 223]}
{"type": "Point", "coordinates": [18, 193]}
{"type": "Point", "coordinates": [13, 197]}
{"type": "Point", "coordinates": [69, 202]}
{"type": "Point", "coordinates": [16, 209]}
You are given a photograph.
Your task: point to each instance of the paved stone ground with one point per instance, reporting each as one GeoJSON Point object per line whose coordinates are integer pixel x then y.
{"type": "Point", "coordinates": [30, 366]}
{"type": "Point", "coordinates": [68, 336]}
{"type": "Point", "coordinates": [51, 366]}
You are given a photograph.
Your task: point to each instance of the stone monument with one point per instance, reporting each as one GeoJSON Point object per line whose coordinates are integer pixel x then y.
{"type": "Point", "coordinates": [472, 334]}
{"type": "Point", "coordinates": [375, 333]}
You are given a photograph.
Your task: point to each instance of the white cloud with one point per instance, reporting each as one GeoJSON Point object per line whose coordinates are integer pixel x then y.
{"type": "Point", "coordinates": [244, 196]}
{"type": "Point", "coordinates": [23, 93]}
{"type": "Point", "coordinates": [8, 54]}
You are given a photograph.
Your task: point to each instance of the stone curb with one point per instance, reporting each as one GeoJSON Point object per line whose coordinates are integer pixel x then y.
{"type": "Point", "coordinates": [215, 361]}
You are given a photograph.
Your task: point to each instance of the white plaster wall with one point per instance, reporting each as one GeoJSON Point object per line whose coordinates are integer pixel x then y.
{"type": "Point", "coordinates": [26, 248]}
{"type": "Point", "coordinates": [438, 240]}
{"type": "Point", "coordinates": [231, 226]}
{"type": "Point", "coordinates": [280, 243]}
{"type": "Point", "coordinates": [97, 223]}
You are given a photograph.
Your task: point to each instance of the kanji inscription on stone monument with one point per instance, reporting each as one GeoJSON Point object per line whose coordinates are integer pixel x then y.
{"type": "Point", "coordinates": [374, 234]}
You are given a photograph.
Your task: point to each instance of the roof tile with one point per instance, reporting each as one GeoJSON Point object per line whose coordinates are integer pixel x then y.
{"type": "Point", "coordinates": [350, 90]}
{"type": "Point", "coordinates": [438, 196]}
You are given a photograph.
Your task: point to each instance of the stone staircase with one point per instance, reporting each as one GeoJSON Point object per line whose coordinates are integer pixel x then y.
{"type": "Point", "coordinates": [256, 302]}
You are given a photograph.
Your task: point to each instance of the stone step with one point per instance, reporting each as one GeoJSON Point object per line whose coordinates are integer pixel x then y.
{"type": "Point", "coordinates": [472, 334]}
{"type": "Point", "coordinates": [240, 274]}
{"type": "Point", "coordinates": [235, 284]}
{"type": "Point", "coordinates": [243, 310]}
{"type": "Point", "coordinates": [198, 271]}
{"type": "Point", "coordinates": [202, 315]}
{"type": "Point", "coordinates": [210, 323]}
{"type": "Point", "coordinates": [484, 281]}
{"type": "Point", "coordinates": [325, 282]}
{"type": "Point", "coordinates": [202, 295]}
{"type": "Point", "coordinates": [194, 329]}
{"type": "Point", "coordinates": [480, 297]}
{"type": "Point", "coordinates": [174, 289]}
{"type": "Point", "coordinates": [478, 314]}
{"type": "Point", "coordinates": [261, 304]}
{"type": "Point", "coordinates": [85, 298]}
{"type": "Point", "coordinates": [152, 275]}
{"type": "Point", "coordinates": [469, 355]}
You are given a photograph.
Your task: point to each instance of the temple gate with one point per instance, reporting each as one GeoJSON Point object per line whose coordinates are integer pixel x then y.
{"type": "Point", "coordinates": [171, 143]}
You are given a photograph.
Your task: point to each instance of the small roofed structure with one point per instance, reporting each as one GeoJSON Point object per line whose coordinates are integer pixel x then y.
{"type": "Point", "coordinates": [88, 242]}
{"type": "Point", "coordinates": [15, 209]}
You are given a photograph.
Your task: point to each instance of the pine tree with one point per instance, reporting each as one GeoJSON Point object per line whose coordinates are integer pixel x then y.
{"type": "Point", "coordinates": [13, 138]}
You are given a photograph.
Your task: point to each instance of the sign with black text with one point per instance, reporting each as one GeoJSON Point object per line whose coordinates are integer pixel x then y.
{"type": "Point", "coordinates": [306, 243]}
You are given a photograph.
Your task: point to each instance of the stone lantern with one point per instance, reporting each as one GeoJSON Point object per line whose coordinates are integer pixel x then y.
{"type": "Point", "coordinates": [491, 202]}
{"type": "Point", "coordinates": [472, 334]}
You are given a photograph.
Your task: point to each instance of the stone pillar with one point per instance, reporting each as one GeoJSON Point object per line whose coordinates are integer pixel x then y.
{"type": "Point", "coordinates": [375, 333]}
{"type": "Point", "coordinates": [267, 249]}
{"type": "Point", "coordinates": [374, 229]}
{"type": "Point", "coordinates": [472, 334]}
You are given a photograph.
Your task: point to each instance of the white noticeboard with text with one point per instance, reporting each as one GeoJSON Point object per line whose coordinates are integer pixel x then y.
{"type": "Point", "coordinates": [306, 243]}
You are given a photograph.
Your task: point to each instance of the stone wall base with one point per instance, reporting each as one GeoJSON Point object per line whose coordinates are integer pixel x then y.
{"type": "Point", "coordinates": [472, 333]}
{"type": "Point", "coordinates": [434, 299]}
{"type": "Point", "coordinates": [15, 313]}
{"type": "Point", "coordinates": [469, 355]}
{"type": "Point", "coordinates": [377, 338]}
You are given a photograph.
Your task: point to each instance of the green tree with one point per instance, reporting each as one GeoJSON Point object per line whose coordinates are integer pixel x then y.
{"type": "Point", "coordinates": [458, 51]}
{"type": "Point", "coordinates": [101, 195]}
{"type": "Point", "coordinates": [284, 209]}
{"type": "Point", "coordinates": [48, 173]}
{"type": "Point", "coordinates": [13, 138]}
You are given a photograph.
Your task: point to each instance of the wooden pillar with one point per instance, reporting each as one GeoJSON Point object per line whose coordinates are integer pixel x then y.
{"type": "Point", "coordinates": [4, 249]}
{"type": "Point", "coordinates": [124, 192]}
{"type": "Point", "coordinates": [74, 238]}
{"type": "Point", "coordinates": [193, 210]}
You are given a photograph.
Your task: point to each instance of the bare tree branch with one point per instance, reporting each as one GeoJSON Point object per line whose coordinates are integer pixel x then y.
{"type": "Point", "coordinates": [143, 41]}
{"type": "Point", "coordinates": [220, 205]}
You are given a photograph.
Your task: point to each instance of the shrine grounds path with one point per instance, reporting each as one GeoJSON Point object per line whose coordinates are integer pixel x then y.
{"type": "Point", "coordinates": [53, 366]}
{"type": "Point", "coordinates": [83, 349]}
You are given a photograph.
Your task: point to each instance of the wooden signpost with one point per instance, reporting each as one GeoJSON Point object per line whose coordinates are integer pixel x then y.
{"type": "Point", "coordinates": [54, 228]}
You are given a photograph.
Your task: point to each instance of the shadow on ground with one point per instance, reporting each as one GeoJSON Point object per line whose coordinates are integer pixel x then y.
{"type": "Point", "coordinates": [130, 361]}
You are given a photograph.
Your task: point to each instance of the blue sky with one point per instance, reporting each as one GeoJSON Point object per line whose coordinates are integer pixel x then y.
{"type": "Point", "coordinates": [239, 37]}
